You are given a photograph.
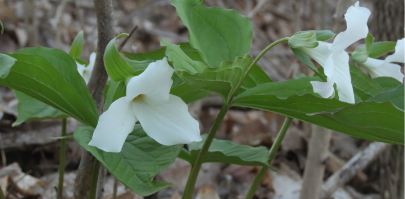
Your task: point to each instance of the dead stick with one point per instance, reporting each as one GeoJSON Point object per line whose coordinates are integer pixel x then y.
{"type": "Point", "coordinates": [356, 164]}
{"type": "Point", "coordinates": [127, 38]}
{"type": "Point", "coordinates": [315, 163]}
{"type": "Point", "coordinates": [96, 85]}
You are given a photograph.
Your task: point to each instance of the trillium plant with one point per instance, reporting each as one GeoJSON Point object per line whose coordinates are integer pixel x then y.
{"type": "Point", "coordinates": [355, 87]}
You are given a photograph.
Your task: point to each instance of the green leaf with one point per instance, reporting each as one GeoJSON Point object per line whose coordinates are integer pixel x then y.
{"type": "Point", "coordinates": [365, 87]}
{"type": "Point", "coordinates": [6, 62]}
{"type": "Point", "coordinates": [140, 160]}
{"type": "Point", "coordinates": [378, 121]}
{"type": "Point", "coordinates": [76, 47]}
{"type": "Point", "coordinates": [116, 65]}
{"type": "Point", "coordinates": [393, 95]}
{"type": "Point", "coordinates": [181, 61]}
{"type": "Point", "coordinates": [50, 76]}
{"type": "Point", "coordinates": [360, 55]}
{"type": "Point", "coordinates": [31, 109]}
{"type": "Point", "coordinates": [369, 40]}
{"type": "Point", "coordinates": [228, 152]}
{"type": "Point", "coordinates": [218, 34]}
{"type": "Point", "coordinates": [378, 49]}
{"type": "Point", "coordinates": [223, 79]}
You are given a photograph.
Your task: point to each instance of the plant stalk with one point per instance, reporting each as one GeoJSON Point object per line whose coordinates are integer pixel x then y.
{"type": "Point", "coordinates": [62, 158]}
{"type": "Point", "coordinates": [272, 154]}
{"type": "Point", "coordinates": [86, 178]}
{"type": "Point", "coordinates": [196, 166]}
{"type": "Point", "coordinates": [192, 178]}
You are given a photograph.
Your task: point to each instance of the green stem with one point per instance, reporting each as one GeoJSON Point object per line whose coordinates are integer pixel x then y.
{"type": "Point", "coordinates": [2, 195]}
{"type": "Point", "coordinates": [192, 178]}
{"type": "Point", "coordinates": [94, 180]}
{"type": "Point", "coordinates": [249, 68]}
{"type": "Point", "coordinates": [272, 153]}
{"type": "Point", "coordinates": [196, 166]}
{"type": "Point", "coordinates": [62, 158]}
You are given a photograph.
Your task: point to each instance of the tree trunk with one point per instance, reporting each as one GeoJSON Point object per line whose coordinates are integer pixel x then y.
{"type": "Point", "coordinates": [388, 24]}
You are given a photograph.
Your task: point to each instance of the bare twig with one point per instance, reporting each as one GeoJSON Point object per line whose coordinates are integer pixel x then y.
{"type": "Point", "coordinates": [127, 38]}
{"type": "Point", "coordinates": [86, 174]}
{"type": "Point", "coordinates": [356, 164]}
{"type": "Point", "coordinates": [257, 8]}
{"type": "Point", "coordinates": [315, 163]}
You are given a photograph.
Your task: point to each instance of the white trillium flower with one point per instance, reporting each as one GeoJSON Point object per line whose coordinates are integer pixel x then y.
{"type": "Point", "coordinates": [164, 117]}
{"type": "Point", "coordinates": [85, 71]}
{"type": "Point", "coordinates": [335, 60]}
{"type": "Point", "coordinates": [385, 68]}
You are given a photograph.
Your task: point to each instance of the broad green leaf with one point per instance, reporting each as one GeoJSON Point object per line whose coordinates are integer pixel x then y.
{"type": "Point", "coordinates": [393, 95]}
{"type": "Point", "coordinates": [366, 87]}
{"type": "Point", "coordinates": [218, 34]}
{"type": "Point", "coordinates": [31, 109]}
{"type": "Point", "coordinates": [228, 152]}
{"type": "Point", "coordinates": [6, 62]}
{"type": "Point", "coordinates": [223, 79]}
{"type": "Point", "coordinates": [140, 160]}
{"type": "Point", "coordinates": [116, 65]}
{"type": "Point", "coordinates": [377, 121]}
{"type": "Point", "coordinates": [76, 48]}
{"type": "Point", "coordinates": [181, 61]}
{"type": "Point", "coordinates": [378, 49]}
{"type": "Point", "coordinates": [50, 75]}
{"type": "Point", "coordinates": [187, 92]}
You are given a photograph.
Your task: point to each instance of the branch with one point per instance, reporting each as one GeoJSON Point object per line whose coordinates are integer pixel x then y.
{"type": "Point", "coordinates": [96, 85]}
{"type": "Point", "coordinates": [315, 163]}
{"type": "Point", "coordinates": [356, 164]}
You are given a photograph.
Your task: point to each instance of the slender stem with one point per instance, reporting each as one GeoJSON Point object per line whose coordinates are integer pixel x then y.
{"type": "Point", "coordinates": [249, 68]}
{"type": "Point", "coordinates": [94, 180]}
{"type": "Point", "coordinates": [115, 189]}
{"type": "Point", "coordinates": [2, 195]}
{"type": "Point", "coordinates": [272, 153]}
{"type": "Point", "coordinates": [192, 178]}
{"type": "Point", "coordinates": [196, 166]}
{"type": "Point", "coordinates": [62, 158]}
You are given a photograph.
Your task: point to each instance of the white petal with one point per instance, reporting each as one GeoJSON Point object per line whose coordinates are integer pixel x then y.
{"type": "Point", "coordinates": [339, 61]}
{"type": "Point", "coordinates": [320, 53]}
{"type": "Point", "coordinates": [399, 54]}
{"type": "Point", "coordinates": [168, 123]}
{"type": "Point", "coordinates": [336, 68]}
{"type": "Point", "coordinates": [80, 68]}
{"type": "Point", "coordinates": [114, 125]}
{"type": "Point", "coordinates": [155, 82]}
{"type": "Point", "coordinates": [356, 21]}
{"type": "Point", "coordinates": [92, 61]}
{"type": "Point", "coordinates": [324, 89]}
{"type": "Point", "coordinates": [382, 68]}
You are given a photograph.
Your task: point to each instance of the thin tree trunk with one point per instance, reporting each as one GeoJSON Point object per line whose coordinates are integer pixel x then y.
{"type": "Point", "coordinates": [89, 166]}
{"type": "Point", "coordinates": [315, 163]}
{"type": "Point", "coordinates": [388, 24]}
